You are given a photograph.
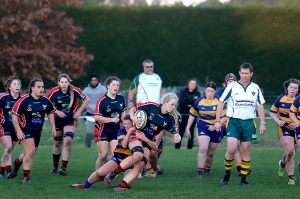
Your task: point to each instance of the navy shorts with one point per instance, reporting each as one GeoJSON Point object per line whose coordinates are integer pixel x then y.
{"type": "Point", "coordinates": [35, 134]}
{"type": "Point", "coordinates": [60, 123]}
{"type": "Point", "coordinates": [7, 130]}
{"type": "Point", "coordinates": [215, 136]}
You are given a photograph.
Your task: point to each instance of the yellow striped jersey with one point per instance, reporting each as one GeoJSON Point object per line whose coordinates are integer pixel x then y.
{"type": "Point", "coordinates": [295, 108]}
{"type": "Point", "coordinates": [282, 107]}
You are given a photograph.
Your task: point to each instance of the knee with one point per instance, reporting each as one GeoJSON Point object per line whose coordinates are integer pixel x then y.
{"type": "Point", "coordinates": [57, 144]}
{"type": "Point", "coordinates": [137, 156]}
{"type": "Point", "coordinates": [7, 150]}
{"type": "Point", "coordinates": [29, 154]}
{"type": "Point", "coordinates": [202, 150]}
{"type": "Point", "coordinates": [67, 143]}
{"type": "Point", "coordinates": [290, 154]}
{"type": "Point", "coordinates": [210, 155]}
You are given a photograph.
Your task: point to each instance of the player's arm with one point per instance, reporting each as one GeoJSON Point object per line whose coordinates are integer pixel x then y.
{"type": "Point", "coordinates": [52, 123]}
{"type": "Point", "coordinates": [220, 108]}
{"type": "Point", "coordinates": [132, 90]}
{"type": "Point", "coordinates": [162, 92]}
{"type": "Point", "coordinates": [261, 115]}
{"type": "Point", "coordinates": [83, 105]}
{"type": "Point", "coordinates": [142, 136]}
{"type": "Point", "coordinates": [188, 126]}
{"type": "Point", "coordinates": [124, 142]}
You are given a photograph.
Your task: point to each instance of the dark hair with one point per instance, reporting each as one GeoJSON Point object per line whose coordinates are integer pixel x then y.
{"type": "Point", "coordinates": [287, 83]}
{"type": "Point", "coordinates": [127, 117]}
{"type": "Point", "coordinates": [32, 83]}
{"type": "Point", "coordinates": [92, 75]}
{"type": "Point", "coordinates": [110, 79]}
{"type": "Point", "coordinates": [63, 75]}
{"type": "Point", "coordinates": [211, 85]}
{"type": "Point", "coordinates": [8, 82]}
{"type": "Point", "coordinates": [246, 66]}
{"type": "Point", "coordinates": [194, 79]}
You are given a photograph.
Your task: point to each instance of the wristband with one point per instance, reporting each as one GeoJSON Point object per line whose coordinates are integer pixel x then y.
{"type": "Point", "coordinates": [130, 101]}
{"type": "Point", "coordinates": [263, 123]}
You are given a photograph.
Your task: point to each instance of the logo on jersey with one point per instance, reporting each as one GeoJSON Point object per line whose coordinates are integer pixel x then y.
{"type": "Point", "coordinates": [37, 119]}
{"type": "Point", "coordinates": [151, 116]}
{"type": "Point", "coordinates": [121, 105]}
{"type": "Point", "coordinates": [29, 108]}
{"type": "Point", "coordinates": [152, 126]}
{"type": "Point", "coordinates": [44, 107]}
{"type": "Point", "coordinates": [7, 105]}
{"type": "Point", "coordinates": [165, 123]}
{"type": "Point", "coordinates": [253, 93]}
{"type": "Point", "coordinates": [64, 105]}
{"type": "Point", "coordinates": [214, 108]}
{"type": "Point", "coordinates": [108, 108]}
{"type": "Point", "coordinates": [59, 100]}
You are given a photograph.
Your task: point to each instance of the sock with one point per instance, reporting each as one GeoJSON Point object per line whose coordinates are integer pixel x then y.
{"type": "Point", "coordinates": [118, 170]}
{"type": "Point", "coordinates": [18, 162]}
{"type": "Point", "coordinates": [228, 166]}
{"type": "Point", "coordinates": [2, 170]}
{"type": "Point", "coordinates": [282, 165]}
{"type": "Point", "coordinates": [26, 174]}
{"type": "Point", "coordinates": [150, 170]}
{"type": "Point", "coordinates": [207, 168]}
{"type": "Point", "coordinates": [87, 184]}
{"type": "Point", "coordinates": [200, 169]}
{"type": "Point", "coordinates": [56, 158]}
{"type": "Point", "coordinates": [245, 166]}
{"type": "Point", "coordinates": [238, 166]}
{"type": "Point", "coordinates": [8, 168]}
{"type": "Point", "coordinates": [64, 163]}
{"type": "Point", "coordinates": [291, 177]}
{"type": "Point", "coordinates": [123, 183]}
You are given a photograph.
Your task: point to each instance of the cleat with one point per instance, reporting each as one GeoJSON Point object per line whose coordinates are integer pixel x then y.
{"type": "Point", "coordinates": [15, 168]}
{"type": "Point", "coordinates": [62, 171]}
{"type": "Point", "coordinates": [117, 188]}
{"type": "Point", "coordinates": [291, 182]}
{"type": "Point", "coordinates": [26, 181]}
{"type": "Point", "coordinates": [1, 175]}
{"type": "Point", "coordinates": [200, 174]}
{"type": "Point", "coordinates": [240, 173]}
{"type": "Point", "coordinates": [225, 180]}
{"type": "Point", "coordinates": [11, 174]}
{"type": "Point", "coordinates": [299, 170]}
{"type": "Point", "coordinates": [78, 186]}
{"type": "Point", "coordinates": [161, 170]}
{"type": "Point", "coordinates": [109, 178]}
{"type": "Point", "coordinates": [207, 173]}
{"type": "Point", "coordinates": [245, 184]}
{"type": "Point", "coordinates": [54, 171]}
{"type": "Point", "coordinates": [152, 175]}
{"type": "Point", "coordinates": [280, 170]}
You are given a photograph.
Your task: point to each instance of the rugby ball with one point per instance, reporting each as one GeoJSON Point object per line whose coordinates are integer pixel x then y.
{"type": "Point", "coordinates": [142, 116]}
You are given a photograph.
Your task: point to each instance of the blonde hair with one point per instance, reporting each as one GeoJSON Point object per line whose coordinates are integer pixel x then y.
{"type": "Point", "coordinates": [70, 88]}
{"type": "Point", "coordinates": [168, 97]}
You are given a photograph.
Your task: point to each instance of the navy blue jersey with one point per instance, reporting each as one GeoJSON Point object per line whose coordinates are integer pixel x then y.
{"type": "Point", "coordinates": [156, 121]}
{"type": "Point", "coordinates": [6, 104]}
{"type": "Point", "coordinates": [220, 92]}
{"type": "Point", "coordinates": [32, 112]}
{"type": "Point", "coordinates": [61, 101]}
{"type": "Point", "coordinates": [110, 108]}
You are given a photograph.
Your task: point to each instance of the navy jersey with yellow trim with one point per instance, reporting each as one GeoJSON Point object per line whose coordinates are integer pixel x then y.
{"type": "Point", "coordinates": [121, 135]}
{"type": "Point", "coordinates": [295, 108]}
{"type": "Point", "coordinates": [32, 111]}
{"type": "Point", "coordinates": [61, 101]}
{"type": "Point", "coordinates": [156, 121]}
{"type": "Point", "coordinates": [282, 107]}
{"type": "Point", "coordinates": [205, 110]}
{"type": "Point", "coordinates": [6, 104]}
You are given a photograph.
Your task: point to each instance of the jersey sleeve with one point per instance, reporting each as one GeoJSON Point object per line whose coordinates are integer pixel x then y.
{"type": "Point", "coordinates": [260, 98]}
{"type": "Point", "coordinates": [78, 93]}
{"type": "Point", "coordinates": [227, 92]}
{"type": "Point", "coordinates": [134, 84]}
{"type": "Point", "coordinates": [19, 107]}
{"type": "Point", "coordinates": [194, 111]}
{"type": "Point", "coordinates": [172, 126]}
{"type": "Point", "coordinates": [295, 106]}
{"type": "Point", "coordinates": [50, 108]}
{"type": "Point", "coordinates": [2, 102]}
{"type": "Point", "coordinates": [275, 106]}
{"type": "Point", "coordinates": [100, 107]}
{"type": "Point", "coordinates": [121, 134]}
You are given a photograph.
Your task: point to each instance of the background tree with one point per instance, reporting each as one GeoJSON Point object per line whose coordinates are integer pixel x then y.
{"type": "Point", "coordinates": [36, 40]}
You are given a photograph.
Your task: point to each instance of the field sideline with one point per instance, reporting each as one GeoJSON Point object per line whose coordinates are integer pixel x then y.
{"type": "Point", "coordinates": [178, 181]}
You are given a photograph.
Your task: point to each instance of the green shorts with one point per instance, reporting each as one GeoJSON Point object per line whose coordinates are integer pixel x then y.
{"type": "Point", "coordinates": [243, 130]}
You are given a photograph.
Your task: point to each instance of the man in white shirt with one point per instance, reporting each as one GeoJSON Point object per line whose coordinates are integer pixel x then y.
{"type": "Point", "coordinates": [148, 88]}
{"type": "Point", "coordinates": [243, 99]}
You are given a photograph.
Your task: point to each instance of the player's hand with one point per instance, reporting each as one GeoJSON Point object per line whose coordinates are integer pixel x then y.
{"type": "Point", "coordinates": [21, 136]}
{"type": "Point", "coordinates": [188, 133]}
{"type": "Point", "coordinates": [60, 114]}
{"type": "Point", "coordinates": [115, 119]}
{"type": "Point", "coordinates": [140, 135]}
{"type": "Point", "coordinates": [176, 138]}
{"type": "Point", "coordinates": [262, 129]}
{"type": "Point", "coordinates": [217, 126]}
{"type": "Point", "coordinates": [53, 132]}
{"type": "Point", "coordinates": [76, 115]}
{"type": "Point", "coordinates": [293, 125]}
{"type": "Point", "coordinates": [211, 128]}
{"type": "Point", "coordinates": [281, 123]}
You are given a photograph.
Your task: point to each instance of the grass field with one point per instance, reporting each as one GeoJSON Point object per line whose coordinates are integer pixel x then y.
{"type": "Point", "coordinates": [178, 181]}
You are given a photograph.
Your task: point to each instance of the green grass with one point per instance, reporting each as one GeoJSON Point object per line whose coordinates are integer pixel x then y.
{"type": "Point", "coordinates": [178, 181]}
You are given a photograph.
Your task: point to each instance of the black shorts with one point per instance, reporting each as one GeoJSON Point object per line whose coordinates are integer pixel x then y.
{"type": "Point", "coordinates": [35, 134]}
{"type": "Point", "coordinates": [108, 136]}
{"type": "Point", "coordinates": [8, 130]}
{"type": "Point", "coordinates": [60, 123]}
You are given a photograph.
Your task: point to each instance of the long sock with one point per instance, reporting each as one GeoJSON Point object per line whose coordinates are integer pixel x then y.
{"type": "Point", "coordinates": [245, 166]}
{"type": "Point", "coordinates": [87, 184]}
{"type": "Point", "coordinates": [291, 176]}
{"type": "Point", "coordinates": [18, 163]}
{"type": "Point", "coordinates": [238, 166]}
{"type": "Point", "coordinates": [200, 169]}
{"type": "Point", "coordinates": [123, 183]}
{"type": "Point", "coordinates": [118, 170]}
{"type": "Point", "coordinates": [282, 165]}
{"type": "Point", "coordinates": [64, 163]}
{"type": "Point", "coordinates": [26, 174]}
{"type": "Point", "coordinates": [207, 168]}
{"type": "Point", "coordinates": [8, 168]}
{"type": "Point", "coordinates": [56, 158]}
{"type": "Point", "coordinates": [228, 165]}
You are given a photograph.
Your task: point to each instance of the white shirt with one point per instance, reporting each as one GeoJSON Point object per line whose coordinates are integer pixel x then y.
{"type": "Point", "coordinates": [242, 101]}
